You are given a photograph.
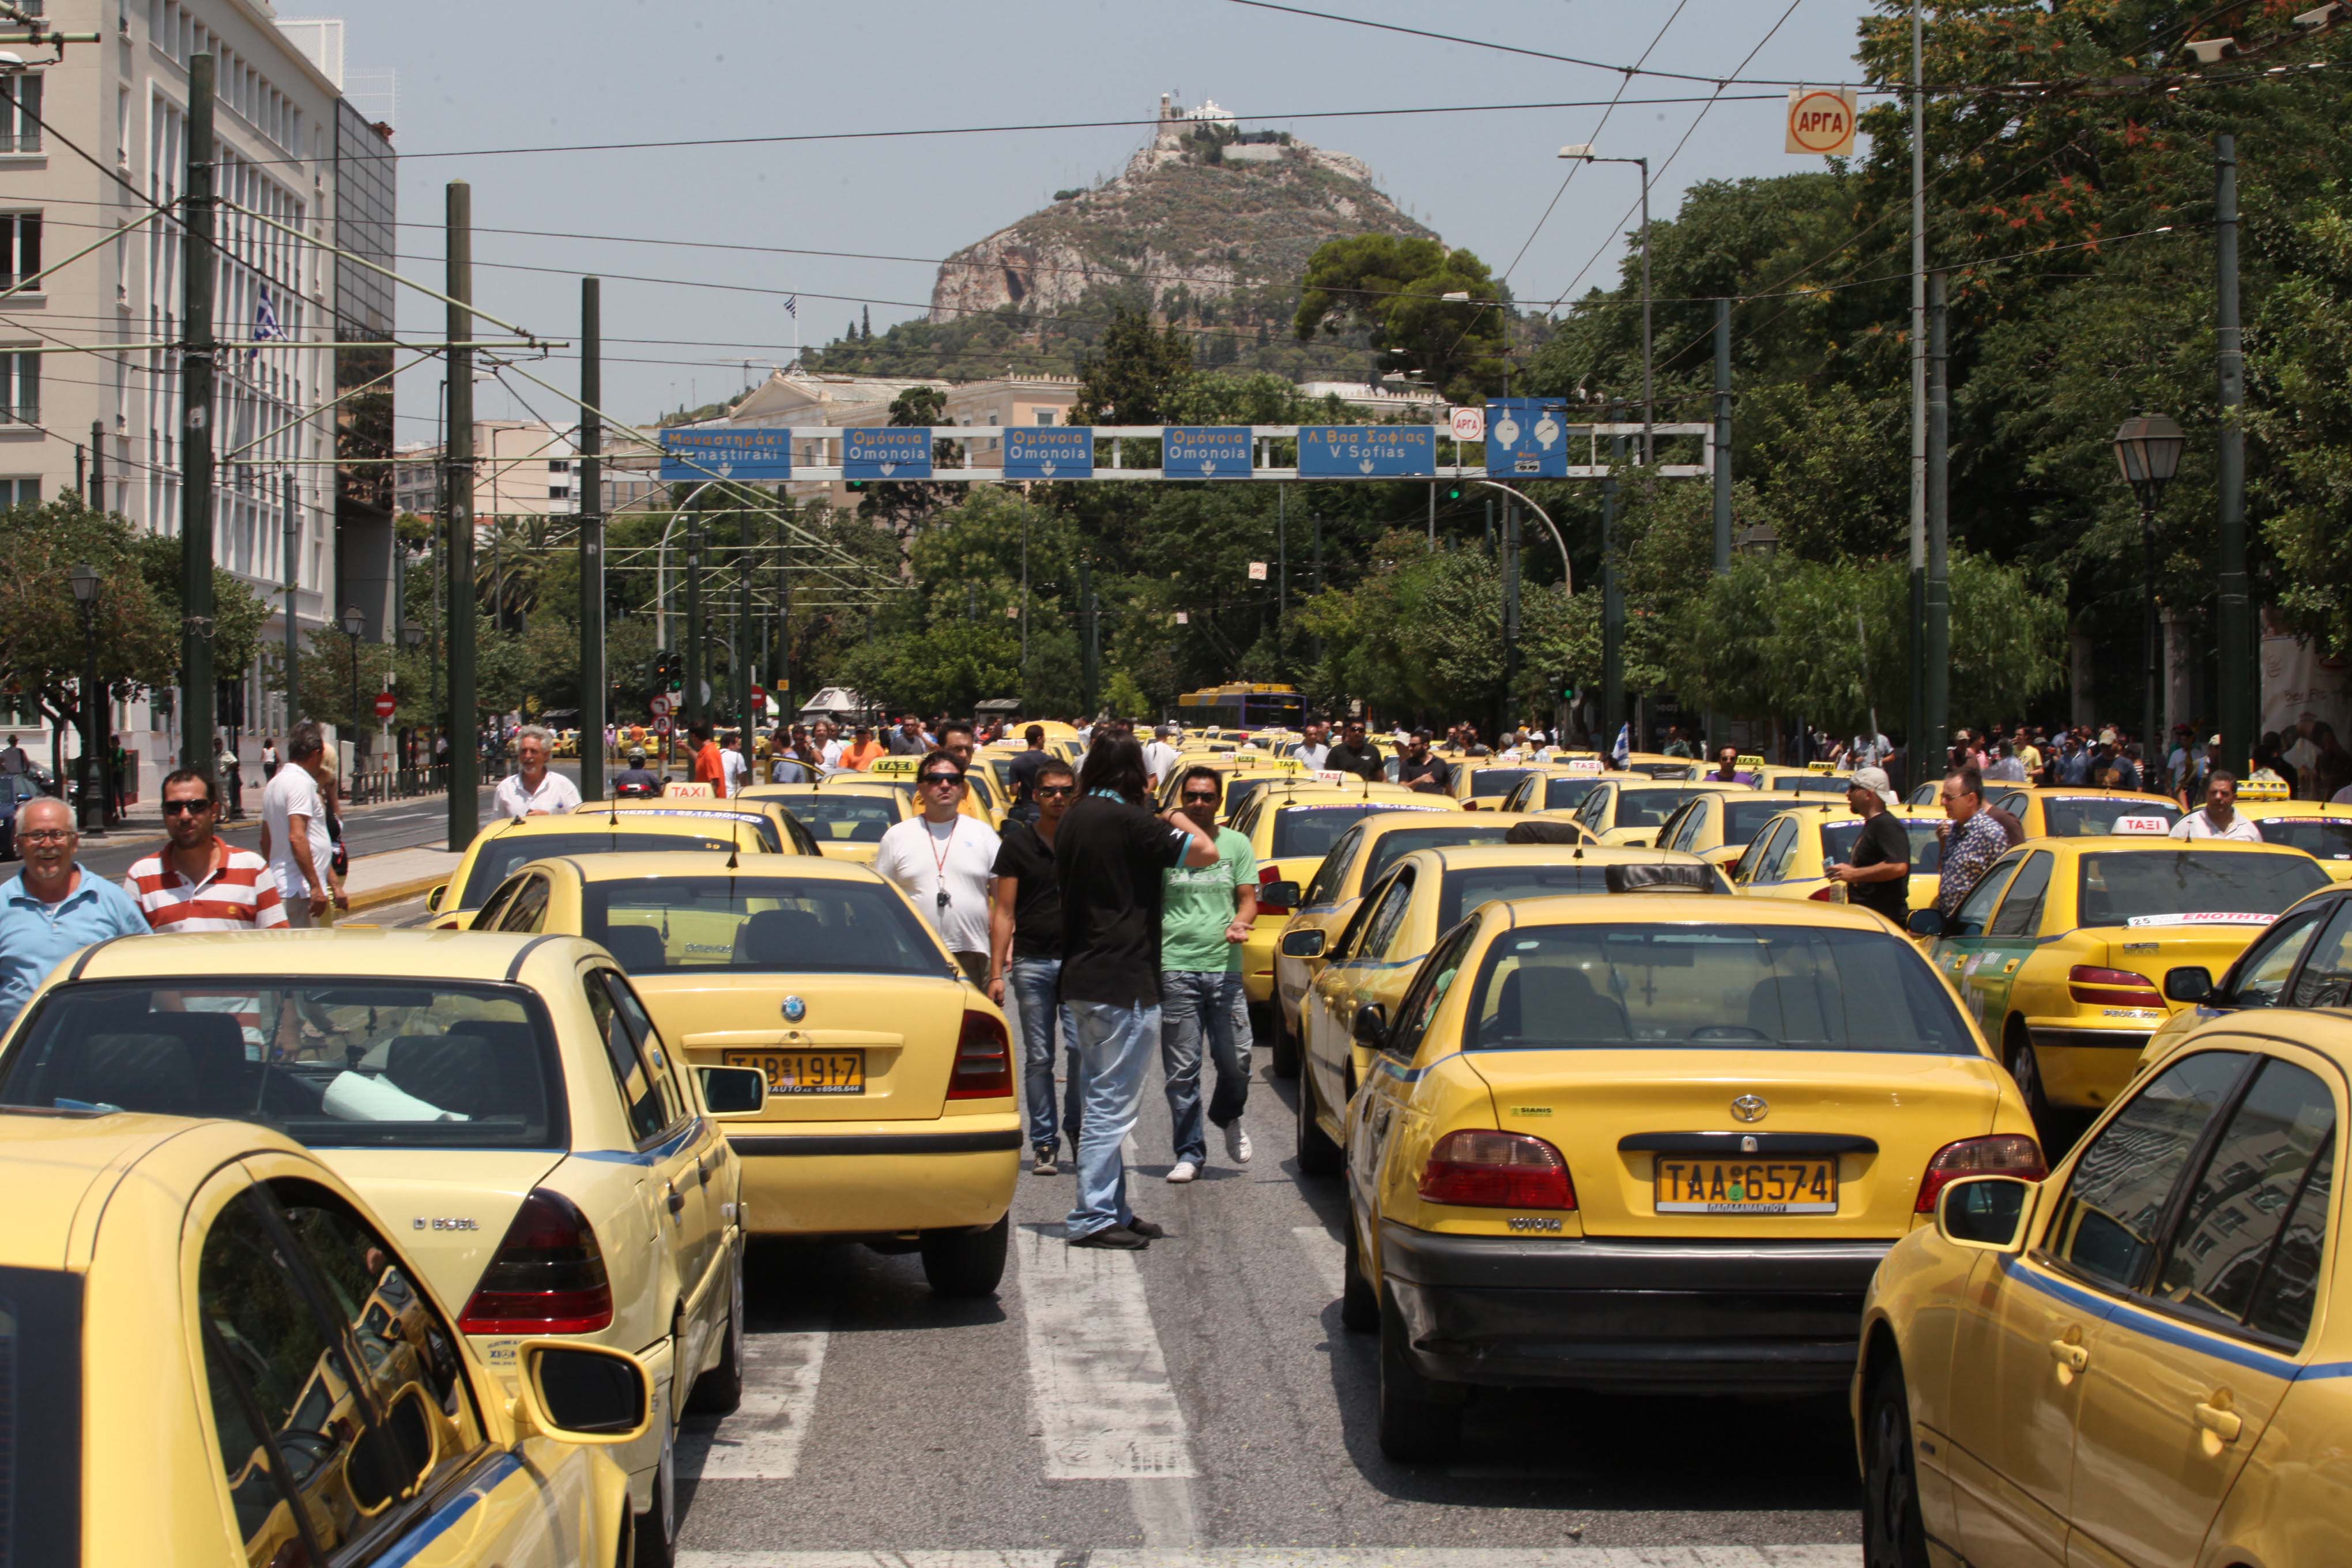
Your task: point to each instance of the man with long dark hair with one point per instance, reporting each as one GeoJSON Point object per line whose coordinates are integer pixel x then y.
{"type": "Point", "coordinates": [1109, 855]}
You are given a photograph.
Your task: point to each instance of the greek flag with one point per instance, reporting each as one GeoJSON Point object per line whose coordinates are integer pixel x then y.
{"type": "Point", "coordinates": [1623, 751]}
{"type": "Point", "coordinates": [792, 306]}
{"type": "Point", "coordinates": [264, 324]}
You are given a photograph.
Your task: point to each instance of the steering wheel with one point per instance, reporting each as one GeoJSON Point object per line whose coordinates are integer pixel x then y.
{"type": "Point", "coordinates": [1729, 1031]}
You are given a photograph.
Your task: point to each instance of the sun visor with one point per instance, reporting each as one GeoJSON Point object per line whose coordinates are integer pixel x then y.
{"type": "Point", "coordinates": [1536, 831]}
{"type": "Point", "coordinates": [1662, 878]}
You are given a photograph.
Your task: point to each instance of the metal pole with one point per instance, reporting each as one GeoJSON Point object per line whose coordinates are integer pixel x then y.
{"type": "Point", "coordinates": [1914, 740]}
{"type": "Point", "coordinates": [591, 540]}
{"type": "Point", "coordinates": [694, 661]}
{"type": "Point", "coordinates": [1024, 602]}
{"type": "Point", "coordinates": [1715, 722]}
{"type": "Point", "coordinates": [1613, 603]}
{"type": "Point", "coordinates": [97, 465]}
{"type": "Point", "coordinates": [1510, 616]}
{"type": "Point", "coordinates": [743, 644]}
{"type": "Point", "coordinates": [91, 765]}
{"type": "Point", "coordinates": [2152, 751]}
{"type": "Point", "coordinates": [196, 694]}
{"type": "Point", "coordinates": [292, 550]}
{"type": "Point", "coordinates": [1433, 517]}
{"type": "Point", "coordinates": [1649, 403]}
{"type": "Point", "coordinates": [465, 755]}
{"type": "Point", "coordinates": [783, 671]}
{"type": "Point", "coordinates": [81, 470]}
{"type": "Point", "coordinates": [1935, 661]}
{"type": "Point", "coordinates": [1282, 577]}
{"type": "Point", "coordinates": [2233, 620]}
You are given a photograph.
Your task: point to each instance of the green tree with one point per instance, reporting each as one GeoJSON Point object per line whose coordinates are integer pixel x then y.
{"type": "Point", "coordinates": [41, 643]}
{"type": "Point", "coordinates": [1128, 381]}
{"type": "Point", "coordinates": [1396, 287]}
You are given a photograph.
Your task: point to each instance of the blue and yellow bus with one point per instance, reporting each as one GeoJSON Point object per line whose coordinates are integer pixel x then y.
{"type": "Point", "coordinates": [1242, 706]}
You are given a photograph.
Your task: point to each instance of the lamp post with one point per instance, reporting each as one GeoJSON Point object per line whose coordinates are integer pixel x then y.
{"type": "Point", "coordinates": [85, 592]}
{"type": "Point", "coordinates": [2147, 451]}
{"type": "Point", "coordinates": [1581, 151]}
{"type": "Point", "coordinates": [353, 624]}
{"type": "Point", "coordinates": [412, 637]}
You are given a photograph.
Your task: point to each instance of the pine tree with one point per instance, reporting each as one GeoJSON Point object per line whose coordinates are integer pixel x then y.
{"type": "Point", "coordinates": [867, 334]}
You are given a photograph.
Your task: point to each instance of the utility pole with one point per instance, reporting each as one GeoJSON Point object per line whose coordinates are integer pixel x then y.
{"type": "Point", "coordinates": [97, 465]}
{"type": "Point", "coordinates": [2232, 611]}
{"type": "Point", "coordinates": [1715, 726]}
{"type": "Point", "coordinates": [1432, 519]}
{"type": "Point", "coordinates": [783, 670]}
{"type": "Point", "coordinates": [196, 694]}
{"type": "Point", "coordinates": [1936, 665]}
{"type": "Point", "coordinates": [1090, 645]}
{"type": "Point", "coordinates": [1282, 577]}
{"type": "Point", "coordinates": [591, 540]}
{"type": "Point", "coordinates": [1024, 602]}
{"type": "Point", "coordinates": [1510, 616]}
{"type": "Point", "coordinates": [1613, 602]}
{"type": "Point", "coordinates": [465, 751]}
{"type": "Point", "coordinates": [292, 550]}
{"type": "Point", "coordinates": [1917, 733]}
{"type": "Point", "coordinates": [697, 661]}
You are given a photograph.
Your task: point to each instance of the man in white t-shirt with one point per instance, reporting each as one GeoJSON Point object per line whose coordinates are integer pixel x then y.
{"type": "Point", "coordinates": [294, 831]}
{"type": "Point", "coordinates": [827, 736]}
{"type": "Point", "coordinates": [2219, 817]}
{"type": "Point", "coordinates": [1161, 754]}
{"type": "Point", "coordinates": [533, 789]}
{"type": "Point", "coordinates": [738, 771]}
{"type": "Point", "coordinates": [944, 862]}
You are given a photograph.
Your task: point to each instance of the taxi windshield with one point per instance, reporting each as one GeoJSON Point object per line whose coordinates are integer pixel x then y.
{"type": "Point", "coordinates": [1392, 846]}
{"type": "Point", "coordinates": [1496, 782]}
{"type": "Point", "coordinates": [373, 1063]}
{"type": "Point", "coordinates": [759, 823]}
{"type": "Point", "coordinates": [1649, 807]}
{"type": "Point", "coordinates": [2088, 815]}
{"type": "Point", "coordinates": [1466, 890]}
{"type": "Point", "coordinates": [2326, 838]}
{"type": "Point", "coordinates": [40, 1412]}
{"type": "Point", "coordinates": [844, 818]}
{"type": "Point", "coordinates": [1744, 819]}
{"type": "Point", "coordinates": [1666, 770]}
{"type": "Point", "coordinates": [1809, 784]}
{"type": "Point", "coordinates": [1927, 850]}
{"type": "Point", "coordinates": [2190, 886]}
{"type": "Point", "coordinates": [1561, 793]}
{"type": "Point", "coordinates": [1313, 829]}
{"type": "Point", "coordinates": [692, 925]}
{"type": "Point", "coordinates": [1712, 986]}
{"type": "Point", "coordinates": [501, 855]}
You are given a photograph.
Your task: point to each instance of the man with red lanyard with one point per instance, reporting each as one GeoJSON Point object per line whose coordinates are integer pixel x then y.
{"type": "Point", "coordinates": [944, 861]}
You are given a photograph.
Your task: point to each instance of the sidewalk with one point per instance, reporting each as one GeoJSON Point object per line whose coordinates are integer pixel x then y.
{"type": "Point", "coordinates": [397, 875]}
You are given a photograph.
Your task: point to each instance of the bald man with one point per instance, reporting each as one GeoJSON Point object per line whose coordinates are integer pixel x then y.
{"type": "Point", "coordinates": [53, 907]}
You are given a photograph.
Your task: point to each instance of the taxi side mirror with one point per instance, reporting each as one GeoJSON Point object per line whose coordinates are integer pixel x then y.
{"type": "Point", "coordinates": [1925, 923]}
{"type": "Point", "coordinates": [1372, 1028]}
{"type": "Point", "coordinates": [2189, 983]}
{"type": "Point", "coordinates": [433, 899]}
{"type": "Point", "coordinates": [1985, 1213]}
{"type": "Point", "coordinates": [580, 1393]}
{"type": "Point", "coordinates": [734, 1091]}
{"type": "Point", "coordinates": [1302, 945]}
{"type": "Point", "coordinates": [1284, 895]}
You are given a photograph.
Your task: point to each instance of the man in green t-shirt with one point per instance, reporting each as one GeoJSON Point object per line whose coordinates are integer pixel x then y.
{"type": "Point", "coordinates": [1205, 917]}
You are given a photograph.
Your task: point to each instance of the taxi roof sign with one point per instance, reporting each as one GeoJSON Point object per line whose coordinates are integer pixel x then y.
{"type": "Point", "coordinates": [2262, 789]}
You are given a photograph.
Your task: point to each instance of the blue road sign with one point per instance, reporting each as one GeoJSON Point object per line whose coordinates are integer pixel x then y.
{"type": "Point", "coordinates": [1527, 438]}
{"type": "Point", "coordinates": [1049, 452]}
{"type": "Point", "coordinates": [886, 452]}
{"type": "Point", "coordinates": [1367, 451]}
{"type": "Point", "coordinates": [689, 456]}
{"type": "Point", "coordinates": [1204, 452]}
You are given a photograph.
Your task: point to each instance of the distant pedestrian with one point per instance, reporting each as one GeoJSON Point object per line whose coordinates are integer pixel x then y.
{"type": "Point", "coordinates": [707, 768]}
{"type": "Point", "coordinates": [1971, 840]}
{"type": "Point", "coordinates": [1025, 923]}
{"type": "Point", "coordinates": [1877, 872]}
{"type": "Point", "coordinates": [1161, 754]}
{"type": "Point", "coordinates": [1726, 766]}
{"type": "Point", "coordinates": [1315, 742]}
{"type": "Point", "coordinates": [232, 777]}
{"type": "Point", "coordinates": [12, 759]}
{"type": "Point", "coordinates": [1205, 915]}
{"type": "Point", "coordinates": [942, 860]}
{"type": "Point", "coordinates": [863, 748]}
{"type": "Point", "coordinates": [2006, 768]}
{"type": "Point", "coordinates": [734, 765]}
{"type": "Point", "coordinates": [270, 758]}
{"type": "Point", "coordinates": [53, 906]}
{"type": "Point", "coordinates": [636, 782]}
{"type": "Point", "coordinates": [294, 838]}
{"type": "Point", "coordinates": [534, 789]}
{"type": "Point", "coordinates": [198, 881]}
{"type": "Point", "coordinates": [1023, 773]}
{"type": "Point", "coordinates": [1354, 753]}
{"type": "Point", "coordinates": [2219, 818]}
{"type": "Point", "coordinates": [1421, 769]}
{"type": "Point", "coordinates": [908, 739]}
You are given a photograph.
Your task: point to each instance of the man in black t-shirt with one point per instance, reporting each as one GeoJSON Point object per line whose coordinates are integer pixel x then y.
{"type": "Point", "coordinates": [1354, 753]}
{"type": "Point", "coordinates": [1023, 773]}
{"type": "Point", "coordinates": [1108, 855]}
{"type": "Point", "coordinates": [1878, 875]}
{"type": "Point", "coordinates": [1421, 769]}
{"type": "Point", "coordinates": [1025, 920]}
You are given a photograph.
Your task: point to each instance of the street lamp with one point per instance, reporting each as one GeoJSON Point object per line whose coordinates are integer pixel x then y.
{"type": "Point", "coordinates": [84, 578]}
{"type": "Point", "coordinates": [2147, 451]}
{"type": "Point", "coordinates": [353, 624]}
{"type": "Point", "coordinates": [1581, 151]}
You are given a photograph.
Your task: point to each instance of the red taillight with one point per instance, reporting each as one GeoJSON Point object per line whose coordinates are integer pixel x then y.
{"type": "Point", "coordinates": [2111, 987]}
{"type": "Point", "coordinates": [1267, 877]}
{"type": "Point", "coordinates": [1832, 894]}
{"type": "Point", "coordinates": [548, 1277]}
{"type": "Point", "coordinates": [983, 1064]}
{"type": "Point", "coordinates": [2002, 1154]}
{"type": "Point", "coordinates": [1496, 1170]}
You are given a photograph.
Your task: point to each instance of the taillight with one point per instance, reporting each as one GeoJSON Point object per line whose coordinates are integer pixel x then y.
{"type": "Point", "coordinates": [1833, 893]}
{"type": "Point", "coordinates": [1267, 877]}
{"type": "Point", "coordinates": [548, 1277]}
{"type": "Point", "coordinates": [2111, 987]}
{"type": "Point", "coordinates": [2000, 1154]}
{"type": "Point", "coordinates": [1478, 1169]}
{"type": "Point", "coordinates": [984, 1063]}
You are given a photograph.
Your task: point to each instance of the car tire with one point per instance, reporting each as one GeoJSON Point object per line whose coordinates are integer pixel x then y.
{"type": "Point", "coordinates": [1415, 1426]}
{"type": "Point", "coordinates": [1893, 1535]}
{"type": "Point", "coordinates": [1360, 1303]}
{"type": "Point", "coordinates": [966, 1263]}
{"type": "Point", "coordinates": [2026, 1070]}
{"type": "Point", "coordinates": [1318, 1154]}
{"type": "Point", "coordinates": [656, 1527]}
{"type": "Point", "coordinates": [1283, 1052]}
{"type": "Point", "coordinates": [719, 1391]}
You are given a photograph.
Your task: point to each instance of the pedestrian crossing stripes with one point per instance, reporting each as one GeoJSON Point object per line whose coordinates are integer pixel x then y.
{"type": "Point", "coordinates": [762, 1441]}
{"type": "Point", "coordinates": [1806, 1556]}
{"type": "Point", "coordinates": [1098, 1386]}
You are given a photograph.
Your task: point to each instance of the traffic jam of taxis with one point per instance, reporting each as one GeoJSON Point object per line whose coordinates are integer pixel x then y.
{"type": "Point", "coordinates": [1617, 1089]}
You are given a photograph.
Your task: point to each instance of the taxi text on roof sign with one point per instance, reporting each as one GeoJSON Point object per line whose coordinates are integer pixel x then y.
{"type": "Point", "coordinates": [1049, 452]}
{"type": "Point", "coordinates": [886, 452]}
{"type": "Point", "coordinates": [1367, 451]}
{"type": "Point", "coordinates": [691, 456]}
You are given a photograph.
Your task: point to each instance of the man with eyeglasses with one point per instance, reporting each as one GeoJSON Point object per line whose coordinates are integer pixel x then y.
{"type": "Point", "coordinates": [198, 881]}
{"type": "Point", "coordinates": [943, 862]}
{"type": "Point", "coordinates": [53, 907]}
{"type": "Point", "coordinates": [1024, 929]}
{"type": "Point", "coordinates": [1205, 915]}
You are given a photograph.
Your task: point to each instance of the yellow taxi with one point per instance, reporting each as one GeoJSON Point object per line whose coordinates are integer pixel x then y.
{"type": "Point", "coordinates": [2319, 828]}
{"type": "Point", "coordinates": [1651, 1144]}
{"type": "Point", "coordinates": [1485, 784]}
{"type": "Point", "coordinates": [845, 821]}
{"type": "Point", "coordinates": [2062, 952]}
{"type": "Point", "coordinates": [1360, 858]}
{"type": "Point", "coordinates": [1239, 783]}
{"type": "Point", "coordinates": [890, 1114]}
{"type": "Point", "coordinates": [1813, 778]}
{"type": "Point", "coordinates": [1659, 766]}
{"type": "Point", "coordinates": [501, 846]}
{"type": "Point", "coordinates": [979, 802]}
{"type": "Point", "coordinates": [218, 1354]}
{"type": "Point", "coordinates": [1554, 786]}
{"type": "Point", "coordinates": [1718, 823]}
{"type": "Point", "coordinates": [1625, 810]}
{"type": "Point", "coordinates": [778, 833]}
{"type": "Point", "coordinates": [2134, 1360]}
{"type": "Point", "coordinates": [505, 1105]}
{"type": "Point", "coordinates": [1792, 857]}
{"type": "Point", "coordinates": [1423, 895]}
{"type": "Point", "coordinates": [2303, 959]}
{"type": "Point", "coordinates": [2068, 812]}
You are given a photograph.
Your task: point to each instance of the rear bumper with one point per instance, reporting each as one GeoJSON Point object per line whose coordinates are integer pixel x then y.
{"type": "Point", "coordinates": [1258, 959]}
{"type": "Point", "coordinates": [869, 1178]}
{"type": "Point", "coordinates": [1758, 1317]}
{"type": "Point", "coordinates": [2085, 1067]}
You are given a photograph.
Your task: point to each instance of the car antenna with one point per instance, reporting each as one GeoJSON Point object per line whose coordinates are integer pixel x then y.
{"type": "Point", "coordinates": [734, 854]}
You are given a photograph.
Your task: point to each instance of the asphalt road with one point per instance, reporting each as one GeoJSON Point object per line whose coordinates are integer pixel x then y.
{"type": "Point", "coordinates": [1195, 1400]}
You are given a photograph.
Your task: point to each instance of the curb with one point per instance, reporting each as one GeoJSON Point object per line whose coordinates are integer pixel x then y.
{"type": "Point", "coordinates": [396, 892]}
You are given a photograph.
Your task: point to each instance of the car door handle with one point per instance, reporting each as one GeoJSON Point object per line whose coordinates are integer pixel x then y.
{"type": "Point", "coordinates": [2071, 1354]}
{"type": "Point", "coordinates": [2219, 1420]}
{"type": "Point", "coordinates": [676, 1199]}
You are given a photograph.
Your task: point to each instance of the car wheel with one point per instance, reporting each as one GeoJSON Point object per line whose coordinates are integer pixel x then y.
{"type": "Point", "coordinates": [719, 1391]}
{"type": "Point", "coordinates": [1284, 1051]}
{"type": "Point", "coordinates": [1893, 1535]}
{"type": "Point", "coordinates": [2027, 1072]}
{"type": "Point", "coordinates": [1359, 1304]}
{"type": "Point", "coordinates": [1318, 1154]}
{"type": "Point", "coordinates": [1415, 1427]}
{"type": "Point", "coordinates": [656, 1527]}
{"type": "Point", "coordinates": [966, 1262]}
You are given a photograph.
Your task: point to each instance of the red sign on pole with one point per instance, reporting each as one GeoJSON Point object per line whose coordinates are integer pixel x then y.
{"type": "Point", "coordinates": [758, 696]}
{"type": "Point", "coordinates": [660, 707]}
{"type": "Point", "coordinates": [387, 705]}
{"type": "Point", "coordinates": [661, 725]}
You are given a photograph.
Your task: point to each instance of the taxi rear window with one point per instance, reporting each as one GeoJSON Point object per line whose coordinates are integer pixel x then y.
{"type": "Point", "coordinates": [694, 925]}
{"type": "Point", "coordinates": [1666, 770]}
{"type": "Point", "coordinates": [757, 823]}
{"type": "Point", "coordinates": [1496, 782]}
{"type": "Point", "coordinates": [501, 855]}
{"type": "Point", "coordinates": [844, 818]}
{"type": "Point", "coordinates": [1744, 819]}
{"type": "Point", "coordinates": [2088, 815]}
{"type": "Point", "coordinates": [1809, 784]}
{"type": "Point", "coordinates": [40, 1415]}
{"type": "Point", "coordinates": [1466, 890]}
{"type": "Point", "coordinates": [1313, 829]}
{"type": "Point", "coordinates": [2326, 837]}
{"type": "Point", "coordinates": [1649, 807]}
{"type": "Point", "coordinates": [1927, 850]}
{"type": "Point", "coordinates": [2189, 886]}
{"type": "Point", "coordinates": [1712, 987]}
{"type": "Point", "coordinates": [1560, 794]}
{"type": "Point", "coordinates": [1393, 846]}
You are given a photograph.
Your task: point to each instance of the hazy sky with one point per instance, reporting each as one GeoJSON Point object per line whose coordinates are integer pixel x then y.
{"type": "Point", "coordinates": [491, 74]}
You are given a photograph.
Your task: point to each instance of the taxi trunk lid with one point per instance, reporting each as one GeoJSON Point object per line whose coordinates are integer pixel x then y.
{"type": "Point", "coordinates": [1619, 1116]}
{"type": "Point", "coordinates": [865, 1047]}
{"type": "Point", "coordinates": [2154, 951]}
{"type": "Point", "coordinates": [449, 1211]}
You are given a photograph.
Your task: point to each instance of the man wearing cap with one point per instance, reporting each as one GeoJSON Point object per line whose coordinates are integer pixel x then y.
{"type": "Point", "coordinates": [636, 781]}
{"type": "Point", "coordinates": [1877, 875]}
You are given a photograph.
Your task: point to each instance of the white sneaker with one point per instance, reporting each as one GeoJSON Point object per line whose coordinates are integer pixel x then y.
{"type": "Point", "coordinates": [1237, 1143]}
{"type": "Point", "coordinates": [1184, 1171]}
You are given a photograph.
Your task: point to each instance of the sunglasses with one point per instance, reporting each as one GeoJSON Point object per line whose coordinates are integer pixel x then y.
{"type": "Point", "coordinates": [954, 779]}
{"type": "Point", "coordinates": [1193, 797]}
{"type": "Point", "coordinates": [1056, 790]}
{"type": "Point", "coordinates": [186, 807]}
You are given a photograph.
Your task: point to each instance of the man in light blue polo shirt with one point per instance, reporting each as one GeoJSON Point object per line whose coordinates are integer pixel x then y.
{"type": "Point", "coordinates": [54, 907]}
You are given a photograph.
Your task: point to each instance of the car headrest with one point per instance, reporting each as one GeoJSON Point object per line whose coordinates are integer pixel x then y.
{"type": "Point", "coordinates": [1544, 830]}
{"type": "Point", "coordinates": [1656, 878]}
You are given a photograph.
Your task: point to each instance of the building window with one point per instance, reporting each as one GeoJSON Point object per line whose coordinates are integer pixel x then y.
{"type": "Point", "coordinates": [20, 389]}
{"type": "Point", "coordinates": [20, 247]}
{"type": "Point", "coordinates": [20, 492]}
{"type": "Point", "coordinates": [559, 493]}
{"type": "Point", "coordinates": [559, 466]}
{"type": "Point", "coordinates": [20, 113]}
{"type": "Point", "coordinates": [1044, 415]}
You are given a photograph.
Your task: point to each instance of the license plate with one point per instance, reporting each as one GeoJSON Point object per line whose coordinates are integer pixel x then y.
{"type": "Point", "coordinates": [1746, 1187]}
{"type": "Point", "coordinates": [806, 1072]}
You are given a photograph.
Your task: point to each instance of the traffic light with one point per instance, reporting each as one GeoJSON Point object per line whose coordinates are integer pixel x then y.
{"type": "Point", "coordinates": [666, 669]}
{"type": "Point", "coordinates": [854, 484]}
{"type": "Point", "coordinates": [1454, 493]}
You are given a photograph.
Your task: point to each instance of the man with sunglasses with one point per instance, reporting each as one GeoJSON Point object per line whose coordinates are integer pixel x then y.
{"type": "Point", "coordinates": [53, 907]}
{"type": "Point", "coordinates": [943, 862]}
{"type": "Point", "coordinates": [198, 881]}
{"type": "Point", "coordinates": [1025, 929]}
{"type": "Point", "coordinates": [1205, 915]}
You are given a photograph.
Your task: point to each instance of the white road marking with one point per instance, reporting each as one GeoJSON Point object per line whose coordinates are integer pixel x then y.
{"type": "Point", "coordinates": [1098, 1384]}
{"type": "Point", "coordinates": [1163, 1510]}
{"type": "Point", "coordinates": [762, 1441]}
{"type": "Point", "coordinates": [1307, 1557]}
{"type": "Point", "coordinates": [1326, 1254]}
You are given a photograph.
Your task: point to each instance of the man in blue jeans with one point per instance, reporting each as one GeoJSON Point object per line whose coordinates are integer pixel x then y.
{"type": "Point", "coordinates": [1025, 920]}
{"type": "Point", "coordinates": [1108, 855]}
{"type": "Point", "coordinates": [1206, 915]}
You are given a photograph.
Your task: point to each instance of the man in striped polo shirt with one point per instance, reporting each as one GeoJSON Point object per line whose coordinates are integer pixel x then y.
{"type": "Point", "coordinates": [199, 882]}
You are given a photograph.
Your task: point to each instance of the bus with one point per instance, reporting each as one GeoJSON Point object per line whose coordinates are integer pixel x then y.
{"type": "Point", "coordinates": [1242, 706]}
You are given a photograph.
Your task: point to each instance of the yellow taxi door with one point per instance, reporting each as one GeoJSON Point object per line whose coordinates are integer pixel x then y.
{"type": "Point", "coordinates": [1382, 1115]}
{"type": "Point", "coordinates": [2185, 1373]}
{"type": "Point", "coordinates": [2023, 1338]}
{"type": "Point", "coordinates": [701, 1221]}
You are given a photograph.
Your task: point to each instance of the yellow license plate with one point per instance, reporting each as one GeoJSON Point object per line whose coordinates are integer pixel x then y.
{"type": "Point", "coordinates": [806, 1072]}
{"type": "Point", "coordinates": [1747, 1186]}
